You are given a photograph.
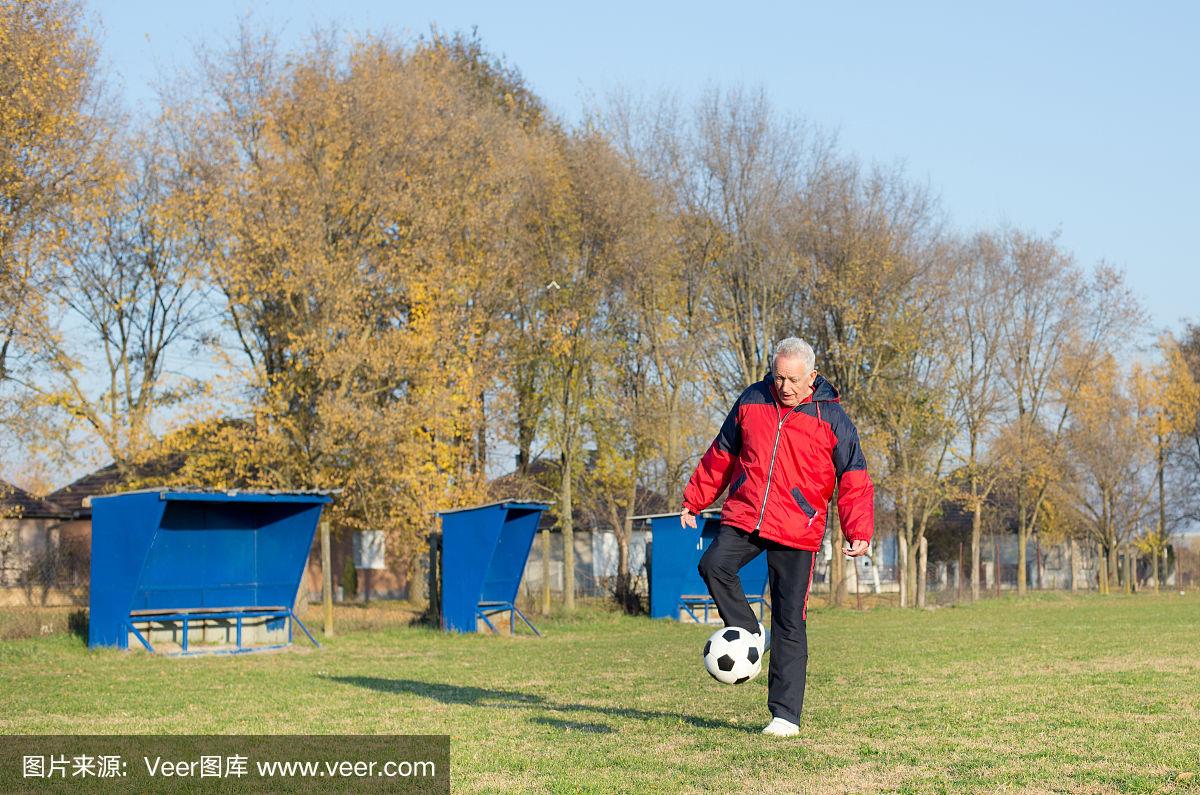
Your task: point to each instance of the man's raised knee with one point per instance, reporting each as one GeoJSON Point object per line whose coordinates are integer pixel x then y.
{"type": "Point", "coordinates": [711, 569]}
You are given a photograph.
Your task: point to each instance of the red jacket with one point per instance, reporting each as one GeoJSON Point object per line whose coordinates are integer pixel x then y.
{"type": "Point", "coordinates": [783, 464]}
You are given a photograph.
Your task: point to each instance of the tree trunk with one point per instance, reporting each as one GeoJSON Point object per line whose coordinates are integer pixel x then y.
{"type": "Point", "coordinates": [566, 522]}
{"type": "Point", "coordinates": [923, 560]}
{"type": "Point", "coordinates": [922, 545]}
{"type": "Point", "coordinates": [1114, 570]}
{"type": "Point", "coordinates": [976, 537]}
{"type": "Point", "coordinates": [1022, 547]}
{"type": "Point", "coordinates": [910, 558]}
{"type": "Point", "coordinates": [625, 592]}
{"type": "Point", "coordinates": [1130, 569]}
{"type": "Point", "coordinates": [481, 435]}
{"type": "Point", "coordinates": [525, 433]}
{"type": "Point", "coordinates": [1073, 551]}
{"type": "Point", "coordinates": [901, 568]}
{"type": "Point", "coordinates": [1160, 542]}
{"type": "Point", "coordinates": [1101, 569]}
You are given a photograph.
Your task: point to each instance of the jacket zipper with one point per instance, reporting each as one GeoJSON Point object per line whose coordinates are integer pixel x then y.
{"type": "Point", "coordinates": [771, 470]}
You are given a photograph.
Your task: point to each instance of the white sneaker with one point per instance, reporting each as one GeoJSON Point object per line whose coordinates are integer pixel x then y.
{"type": "Point", "coordinates": [778, 727]}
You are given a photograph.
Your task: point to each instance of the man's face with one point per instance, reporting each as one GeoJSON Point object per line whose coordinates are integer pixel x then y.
{"type": "Point", "coordinates": [792, 381]}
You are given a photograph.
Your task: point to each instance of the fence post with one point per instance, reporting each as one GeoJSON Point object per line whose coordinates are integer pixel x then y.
{"type": "Point", "coordinates": [326, 579]}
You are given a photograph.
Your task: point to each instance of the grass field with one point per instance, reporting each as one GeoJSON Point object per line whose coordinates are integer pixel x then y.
{"type": "Point", "coordinates": [1053, 693]}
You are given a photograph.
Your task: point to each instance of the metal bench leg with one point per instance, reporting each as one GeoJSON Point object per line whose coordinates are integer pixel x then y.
{"type": "Point", "coordinates": [303, 628]}
{"type": "Point", "coordinates": [487, 621]}
{"type": "Point", "coordinates": [526, 620]}
{"type": "Point", "coordinates": [138, 635]}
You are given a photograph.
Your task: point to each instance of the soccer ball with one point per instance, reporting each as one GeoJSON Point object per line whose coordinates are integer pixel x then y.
{"type": "Point", "coordinates": [732, 655]}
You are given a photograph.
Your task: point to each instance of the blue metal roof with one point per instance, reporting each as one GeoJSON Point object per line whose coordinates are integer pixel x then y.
{"type": "Point", "coordinates": [308, 497]}
{"type": "Point", "coordinates": [520, 505]}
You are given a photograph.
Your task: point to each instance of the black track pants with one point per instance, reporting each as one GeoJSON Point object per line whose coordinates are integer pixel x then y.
{"type": "Point", "coordinates": [790, 574]}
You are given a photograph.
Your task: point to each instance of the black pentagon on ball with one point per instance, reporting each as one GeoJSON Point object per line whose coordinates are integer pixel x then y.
{"type": "Point", "coordinates": [752, 655]}
{"type": "Point", "coordinates": [730, 635]}
{"type": "Point", "coordinates": [741, 679]}
{"type": "Point", "coordinates": [725, 662]}
{"type": "Point", "coordinates": [707, 646]}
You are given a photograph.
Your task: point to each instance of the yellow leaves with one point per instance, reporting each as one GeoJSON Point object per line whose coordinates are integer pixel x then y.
{"type": "Point", "coordinates": [363, 198]}
{"type": "Point", "coordinates": [51, 153]}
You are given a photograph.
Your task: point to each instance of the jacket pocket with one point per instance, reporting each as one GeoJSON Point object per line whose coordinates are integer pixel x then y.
{"type": "Point", "coordinates": [804, 504]}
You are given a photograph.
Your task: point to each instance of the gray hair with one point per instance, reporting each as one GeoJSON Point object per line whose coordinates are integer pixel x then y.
{"type": "Point", "coordinates": [794, 347]}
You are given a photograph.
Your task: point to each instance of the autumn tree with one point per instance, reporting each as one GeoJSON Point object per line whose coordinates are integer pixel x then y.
{"type": "Point", "coordinates": [353, 201]}
{"type": "Point", "coordinates": [1173, 398]}
{"type": "Point", "coordinates": [1187, 453]}
{"type": "Point", "coordinates": [53, 139]}
{"type": "Point", "coordinates": [1112, 453]}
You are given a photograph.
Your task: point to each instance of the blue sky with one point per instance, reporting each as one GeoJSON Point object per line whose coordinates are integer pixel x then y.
{"type": "Point", "coordinates": [1076, 117]}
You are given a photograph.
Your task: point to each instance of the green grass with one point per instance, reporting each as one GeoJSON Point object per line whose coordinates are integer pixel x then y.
{"type": "Point", "coordinates": [1053, 693]}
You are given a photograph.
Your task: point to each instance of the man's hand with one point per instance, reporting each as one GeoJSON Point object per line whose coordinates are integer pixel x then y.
{"type": "Point", "coordinates": [856, 549]}
{"type": "Point", "coordinates": [687, 519]}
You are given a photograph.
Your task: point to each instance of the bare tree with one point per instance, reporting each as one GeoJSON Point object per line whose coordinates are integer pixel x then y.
{"type": "Point", "coordinates": [979, 295]}
{"type": "Point", "coordinates": [128, 294]}
{"type": "Point", "coordinates": [749, 171]}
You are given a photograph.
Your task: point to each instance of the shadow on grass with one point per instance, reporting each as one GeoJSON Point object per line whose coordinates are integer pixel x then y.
{"type": "Point", "coordinates": [574, 725]}
{"type": "Point", "coordinates": [514, 699]}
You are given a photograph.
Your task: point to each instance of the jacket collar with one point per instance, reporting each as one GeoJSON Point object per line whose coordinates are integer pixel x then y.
{"type": "Point", "coordinates": [823, 391]}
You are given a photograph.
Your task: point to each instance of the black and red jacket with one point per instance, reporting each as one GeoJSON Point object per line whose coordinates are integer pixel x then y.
{"type": "Point", "coordinates": [781, 464]}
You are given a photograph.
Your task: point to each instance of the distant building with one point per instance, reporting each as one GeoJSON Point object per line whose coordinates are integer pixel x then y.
{"type": "Point", "coordinates": [43, 561]}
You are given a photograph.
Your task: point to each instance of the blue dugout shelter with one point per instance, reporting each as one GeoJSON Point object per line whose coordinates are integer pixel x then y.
{"type": "Point", "coordinates": [170, 564]}
{"type": "Point", "coordinates": [483, 554]}
{"type": "Point", "coordinates": [672, 562]}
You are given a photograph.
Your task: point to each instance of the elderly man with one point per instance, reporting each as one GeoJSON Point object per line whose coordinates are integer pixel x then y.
{"type": "Point", "coordinates": [785, 444]}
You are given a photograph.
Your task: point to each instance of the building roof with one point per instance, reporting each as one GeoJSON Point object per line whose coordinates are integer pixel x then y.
{"type": "Point", "coordinates": [587, 512]}
{"type": "Point", "coordinates": [70, 499]}
{"type": "Point", "coordinates": [16, 503]}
